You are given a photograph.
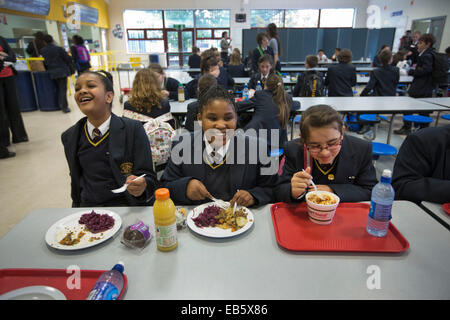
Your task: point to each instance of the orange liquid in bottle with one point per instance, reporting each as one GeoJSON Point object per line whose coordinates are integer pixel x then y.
{"type": "Point", "coordinates": [165, 221]}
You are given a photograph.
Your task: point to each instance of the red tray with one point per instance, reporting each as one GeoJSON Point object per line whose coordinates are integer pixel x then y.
{"type": "Point", "coordinates": [12, 279]}
{"type": "Point", "coordinates": [347, 233]}
{"type": "Point", "coordinates": [446, 207]}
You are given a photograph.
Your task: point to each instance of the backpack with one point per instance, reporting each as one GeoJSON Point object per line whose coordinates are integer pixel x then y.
{"type": "Point", "coordinates": [83, 54]}
{"type": "Point", "coordinates": [160, 134]}
{"type": "Point", "coordinates": [440, 68]}
{"type": "Point", "coordinates": [313, 86]}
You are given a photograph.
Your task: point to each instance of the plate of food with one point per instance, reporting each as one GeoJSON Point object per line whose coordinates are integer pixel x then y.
{"type": "Point", "coordinates": [83, 229]}
{"type": "Point", "coordinates": [209, 220]}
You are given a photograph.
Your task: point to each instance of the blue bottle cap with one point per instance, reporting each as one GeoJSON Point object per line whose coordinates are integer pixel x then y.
{"type": "Point", "coordinates": [119, 267]}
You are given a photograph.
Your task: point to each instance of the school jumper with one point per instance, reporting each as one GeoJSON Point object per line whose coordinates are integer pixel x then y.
{"type": "Point", "coordinates": [257, 53]}
{"type": "Point", "coordinates": [171, 85]}
{"type": "Point", "coordinates": [224, 79]}
{"type": "Point", "coordinates": [255, 78]}
{"type": "Point", "coordinates": [383, 81]}
{"type": "Point", "coordinates": [422, 84]}
{"type": "Point", "coordinates": [191, 115]}
{"type": "Point", "coordinates": [236, 71]}
{"type": "Point", "coordinates": [124, 150]}
{"type": "Point", "coordinates": [422, 168]}
{"type": "Point", "coordinates": [223, 181]}
{"type": "Point", "coordinates": [351, 176]}
{"type": "Point", "coordinates": [340, 79]}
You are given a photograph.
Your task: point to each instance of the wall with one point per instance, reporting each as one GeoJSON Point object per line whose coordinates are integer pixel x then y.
{"type": "Point", "coordinates": [417, 9]}
{"type": "Point", "coordinates": [116, 8]}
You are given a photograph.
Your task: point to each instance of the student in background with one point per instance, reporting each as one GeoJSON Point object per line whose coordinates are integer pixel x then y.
{"type": "Point", "coordinates": [422, 85]}
{"type": "Point", "coordinates": [147, 98]}
{"type": "Point", "coordinates": [399, 61]}
{"type": "Point", "coordinates": [376, 61]}
{"type": "Point", "coordinates": [265, 67]}
{"type": "Point", "coordinates": [321, 56]}
{"type": "Point", "coordinates": [169, 85]}
{"type": "Point", "coordinates": [194, 60]}
{"type": "Point", "coordinates": [206, 81]}
{"type": "Point", "coordinates": [413, 52]}
{"type": "Point", "coordinates": [335, 54]}
{"type": "Point", "coordinates": [225, 44]}
{"type": "Point", "coordinates": [224, 78]}
{"type": "Point", "coordinates": [271, 107]}
{"type": "Point", "coordinates": [311, 82]}
{"type": "Point", "coordinates": [341, 78]}
{"type": "Point", "coordinates": [34, 47]}
{"type": "Point", "coordinates": [336, 162]}
{"type": "Point", "coordinates": [263, 41]}
{"type": "Point", "coordinates": [105, 151]}
{"type": "Point", "coordinates": [384, 79]}
{"type": "Point", "coordinates": [236, 68]}
{"type": "Point", "coordinates": [422, 167]}
{"type": "Point", "coordinates": [80, 55]}
{"type": "Point", "coordinates": [275, 44]}
{"type": "Point", "coordinates": [208, 65]}
{"type": "Point", "coordinates": [224, 170]}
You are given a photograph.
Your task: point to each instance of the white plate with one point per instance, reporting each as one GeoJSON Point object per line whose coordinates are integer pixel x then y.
{"type": "Point", "coordinates": [216, 232]}
{"type": "Point", "coordinates": [70, 223]}
{"type": "Point", "coordinates": [34, 293]}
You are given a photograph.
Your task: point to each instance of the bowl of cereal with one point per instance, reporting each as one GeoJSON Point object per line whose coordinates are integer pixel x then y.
{"type": "Point", "coordinates": [321, 206]}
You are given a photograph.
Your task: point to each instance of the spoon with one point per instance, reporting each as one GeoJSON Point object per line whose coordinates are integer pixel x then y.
{"type": "Point", "coordinates": [315, 187]}
{"type": "Point", "coordinates": [125, 186]}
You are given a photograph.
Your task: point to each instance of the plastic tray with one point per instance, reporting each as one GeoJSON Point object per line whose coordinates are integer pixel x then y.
{"type": "Point", "coordinates": [347, 232]}
{"type": "Point", "coordinates": [446, 208]}
{"type": "Point", "coordinates": [12, 279]}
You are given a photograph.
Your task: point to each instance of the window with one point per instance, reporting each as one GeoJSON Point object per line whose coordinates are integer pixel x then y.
{"type": "Point", "coordinates": [261, 18]}
{"type": "Point", "coordinates": [302, 18]}
{"type": "Point", "coordinates": [136, 19]}
{"type": "Point", "coordinates": [336, 18]}
{"type": "Point", "coordinates": [212, 18]}
{"type": "Point", "coordinates": [177, 17]}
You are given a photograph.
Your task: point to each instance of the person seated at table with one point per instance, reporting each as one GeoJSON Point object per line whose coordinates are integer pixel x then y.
{"type": "Point", "coordinates": [311, 82]}
{"type": "Point", "coordinates": [265, 67]}
{"type": "Point", "coordinates": [422, 167]}
{"type": "Point", "coordinates": [341, 78]}
{"type": "Point", "coordinates": [208, 65]}
{"type": "Point", "coordinates": [204, 83]}
{"type": "Point", "coordinates": [376, 63]}
{"type": "Point", "coordinates": [336, 162]}
{"type": "Point", "coordinates": [224, 78]}
{"type": "Point", "coordinates": [105, 151]}
{"type": "Point", "coordinates": [194, 58]}
{"type": "Point", "coordinates": [224, 169]}
{"type": "Point", "coordinates": [263, 48]}
{"type": "Point", "coordinates": [384, 79]}
{"type": "Point", "coordinates": [236, 68]}
{"type": "Point", "coordinates": [321, 56]}
{"type": "Point", "coordinates": [169, 85]}
{"type": "Point", "coordinates": [271, 108]}
{"type": "Point", "coordinates": [147, 100]}
{"type": "Point", "coordinates": [399, 61]}
{"type": "Point", "coordinates": [335, 54]}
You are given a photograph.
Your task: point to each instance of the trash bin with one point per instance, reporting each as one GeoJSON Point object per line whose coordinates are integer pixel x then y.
{"type": "Point", "coordinates": [47, 91]}
{"type": "Point", "coordinates": [25, 91]}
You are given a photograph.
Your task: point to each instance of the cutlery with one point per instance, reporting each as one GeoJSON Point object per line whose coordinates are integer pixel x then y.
{"type": "Point", "coordinates": [125, 186]}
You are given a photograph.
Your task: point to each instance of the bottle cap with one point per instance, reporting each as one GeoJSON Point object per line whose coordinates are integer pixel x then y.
{"type": "Point", "coordinates": [162, 193]}
{"type": "Point", "coordinates": [119, 267]}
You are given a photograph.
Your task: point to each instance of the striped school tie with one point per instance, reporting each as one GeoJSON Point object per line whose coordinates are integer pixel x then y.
{"type": "Point", "coordinates": [96, 134]}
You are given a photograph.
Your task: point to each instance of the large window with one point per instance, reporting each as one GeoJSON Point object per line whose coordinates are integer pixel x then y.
{"type": "Point", "coordinates": [302, 18]}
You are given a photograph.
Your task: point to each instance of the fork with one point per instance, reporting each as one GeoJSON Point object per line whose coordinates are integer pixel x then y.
{"type": "Point", "coordinates": [125, 186]}
{"type": "Point", "coordinates": [220, 203]}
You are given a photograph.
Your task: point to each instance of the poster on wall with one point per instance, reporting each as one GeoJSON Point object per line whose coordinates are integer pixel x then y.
{"type": "Point", "coordinates": [41, 7]}
{"type": "Point", "coordinates": [117, 31]}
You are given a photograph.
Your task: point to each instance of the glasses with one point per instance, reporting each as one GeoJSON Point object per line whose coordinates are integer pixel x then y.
{"type": "Point", "coordinates": [331, 146]}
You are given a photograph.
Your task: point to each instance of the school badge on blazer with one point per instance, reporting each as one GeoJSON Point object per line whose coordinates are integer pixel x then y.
{"type": "Point", "coordinates": [126, 168]}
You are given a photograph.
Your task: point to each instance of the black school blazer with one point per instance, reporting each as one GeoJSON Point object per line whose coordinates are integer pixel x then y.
{"type": "Point", "coordinates": [355, 173]}
{"type": "Point", "coordinates": [243, 176]}
{"type": "Point", "coordinates": [128, 143]}
{"type": "Point", "coordinates": [340, 79]}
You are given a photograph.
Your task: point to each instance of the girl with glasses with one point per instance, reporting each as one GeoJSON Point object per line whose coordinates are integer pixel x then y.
{"type": "Point", "coordinates": [334, 161]}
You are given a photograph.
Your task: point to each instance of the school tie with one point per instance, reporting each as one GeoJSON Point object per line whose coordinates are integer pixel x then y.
{"type": "Point", "coordinates": [97, 135]}
{"type": "Point", "coordinates": [263, 81]}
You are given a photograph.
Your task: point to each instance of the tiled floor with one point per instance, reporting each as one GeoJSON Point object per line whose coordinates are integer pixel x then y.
{"type": "Point", "coordinates": [38, 177]}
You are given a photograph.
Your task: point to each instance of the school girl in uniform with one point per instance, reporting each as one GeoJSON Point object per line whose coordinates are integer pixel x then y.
{"type": "Point", "coordinates": [334, 161]}
{"type": "Point", "coordinates": [216, 161]}
{"type": "Point", "coordinates": [265, 66]}
{"type": "Point", "coordinates": [169, 85]}
{"type": "Point", "coordinates": [105, 151]}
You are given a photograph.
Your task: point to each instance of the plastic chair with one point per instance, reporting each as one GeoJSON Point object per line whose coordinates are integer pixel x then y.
{"type": "Point", "coordinates": [372, 120]}
{"type": "Point", "coordinates": [446, 116]}
{"type": "Point", "coordinates": [417, 120]}
{"type": "Point", "coordinates": [382, 149]}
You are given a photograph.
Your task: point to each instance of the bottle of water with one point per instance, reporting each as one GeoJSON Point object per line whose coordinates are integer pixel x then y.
{"type": "Point", "coordinates": [381, 205]}
{"type": "Point", "coordinates": [109, 285]}
{"type": "Point", "coordinates": [245, 92]}
{"type": "Point", "coordinates": [258, 86]}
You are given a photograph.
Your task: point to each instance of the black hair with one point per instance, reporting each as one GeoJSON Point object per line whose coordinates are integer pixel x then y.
{"type": "Point", "coordinates": [215, 92]}
{"type": "Point", "coordinates": [105, 77]}
{"type": "Point", "coordinates": [47, 38]}
{"type": "Point", "coordinates": [207, 63]}
{"type": "Point", "coordinates": [78, 40]}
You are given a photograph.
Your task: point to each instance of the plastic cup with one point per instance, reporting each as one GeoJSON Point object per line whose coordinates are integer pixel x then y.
{"type": "Point", "coordinates": [321, 213]}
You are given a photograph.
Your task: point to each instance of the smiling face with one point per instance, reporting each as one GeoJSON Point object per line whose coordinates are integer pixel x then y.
{"type": "Point", "coordinates": [218, 121]}
{"type": "Point", "coordinates": [329, 139]}
{"type": "Point", "coordinates": [91, 95]}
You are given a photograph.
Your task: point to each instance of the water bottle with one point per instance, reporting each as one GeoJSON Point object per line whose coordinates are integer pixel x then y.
{"type": "Point", "coordinates": [258, 86]}
{"type": "Point", "coordinates": [245, 92]}
{"type": "Point", "coordinates": [381, 205]}
{"type": "Point", "coordinates": [109, 284]}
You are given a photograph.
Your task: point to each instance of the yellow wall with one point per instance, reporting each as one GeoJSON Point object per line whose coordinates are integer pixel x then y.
{"type": "Point", "coordinates": [56, 11]}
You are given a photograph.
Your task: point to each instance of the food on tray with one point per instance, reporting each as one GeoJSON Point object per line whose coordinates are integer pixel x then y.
{"type": "Point", "coordinates": [69, 241]}
{"type": "Point", "coordinates": [214, 216]}
{"type": "Point", "coordinates": [323, 199]}
{"type": "Point", "coordinates": [96, 223]}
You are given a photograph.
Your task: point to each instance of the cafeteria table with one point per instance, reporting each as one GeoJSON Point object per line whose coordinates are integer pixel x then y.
{"type": "Point", "coordinates": [436, 211]}
{"type": "Point", "coordinates": [251, 266]}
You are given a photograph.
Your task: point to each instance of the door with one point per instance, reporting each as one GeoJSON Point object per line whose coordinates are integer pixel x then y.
{"type": "Point", "coordinates": [179, 46]}
{"type": "Point", "coordinates": [437, 28]}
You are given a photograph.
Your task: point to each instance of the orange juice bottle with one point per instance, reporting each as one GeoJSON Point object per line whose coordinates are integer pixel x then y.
{"type": "Point", "coordinates": [165, 221]}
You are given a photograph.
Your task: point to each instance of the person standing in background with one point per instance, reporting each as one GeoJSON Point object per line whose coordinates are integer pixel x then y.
{"type": "Point", "coordinates": [275, 44]}
{"type": "Point", "coordinates": [36, 44]}
{"type": "Point", "coordinates": [80, 55]}
{"type": "Point", "coordinates": [57, 62]}
{"type": "Point", "coordinates": [9, 104]}
{"type": "Point", "coordinates": [225, 44]}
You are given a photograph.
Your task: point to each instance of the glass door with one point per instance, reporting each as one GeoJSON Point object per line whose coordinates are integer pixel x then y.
{"type": "Point", "coordinates": [179, 46]}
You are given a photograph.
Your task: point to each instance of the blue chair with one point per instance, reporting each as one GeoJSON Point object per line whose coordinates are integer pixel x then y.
{"type": "Point", "coordinates": [382, 149]}
{"type": "Point", "coordinates": [446, 116]}
{"type": "Point", "coordinates": [372, 120]}
{"type": "Point", "coordinates": [417, 120]}
{"type": "Point", "coordinates": [297, 119]}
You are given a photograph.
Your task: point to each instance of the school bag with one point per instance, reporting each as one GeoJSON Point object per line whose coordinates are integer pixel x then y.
{"type": "Point", "coordinates": [83, 54]}
{"type": "Point", "coordinates": [440, 68]}
{"type": "Point", "coordinates": [160, 134]}
{"type": "Point", "coordinates": [313, 86]}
